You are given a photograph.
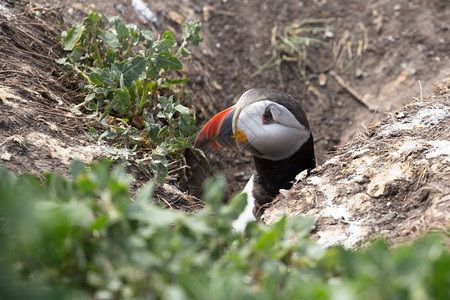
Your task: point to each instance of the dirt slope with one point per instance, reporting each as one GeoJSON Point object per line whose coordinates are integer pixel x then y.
{"type": "Point", "coordinates": [38, 133]}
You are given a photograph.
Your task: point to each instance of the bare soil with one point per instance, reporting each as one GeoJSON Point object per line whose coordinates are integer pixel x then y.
{"type": "Point", "coordinates": [380, 54]}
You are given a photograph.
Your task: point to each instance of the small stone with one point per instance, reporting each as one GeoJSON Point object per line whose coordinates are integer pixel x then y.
{"type": "Point", "coordinates": [400, 115]}
{"type": "Point", "coordinates": [207, 12]}
{"type": "Point", "coordinates": [6, 156]}
{"type": "Point", "coordinates": [120, 9]}
{"type": "Point", "coordinates": [329, 34]}
{"type": "Point", "coordinates": [358, 73]}
{"type": "Point", "coordinates": [322, 79]}
{"type": "Point", "coordinates": [241, 176]}
{"type": "Point", "coordinates": [284, 192]}
{"type": "Point", "coordinates": [301, 176]}
{"type": "Point", "coordinates": [176, 17]}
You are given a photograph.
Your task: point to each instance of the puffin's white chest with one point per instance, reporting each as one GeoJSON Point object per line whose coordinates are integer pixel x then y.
{"type": "Point", "coordinates": [247, 215]}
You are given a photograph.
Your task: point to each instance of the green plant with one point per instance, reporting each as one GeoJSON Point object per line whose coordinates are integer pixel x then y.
{"type": "Point", "coordinates": [85, 238]}
{"type": "Point", "coordinates": [349, 48]}
{"type": "Point", "coordinates": [127, 74]}
{"type": "Point", "coordinates": [291, 45]}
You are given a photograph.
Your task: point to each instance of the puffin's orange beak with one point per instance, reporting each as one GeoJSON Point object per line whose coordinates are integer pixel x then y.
{"type": "Point", "coordinates": [218, 131]}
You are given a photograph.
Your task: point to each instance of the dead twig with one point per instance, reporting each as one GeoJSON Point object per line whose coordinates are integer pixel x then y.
{"type": "Point", "coordinates": [350, 90]}
{"type": "Point", "coordinates": [162, 199]}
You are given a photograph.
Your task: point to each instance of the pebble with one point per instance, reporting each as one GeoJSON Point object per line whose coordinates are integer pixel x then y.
{"type": "Point", "coordinates": [329, 34]}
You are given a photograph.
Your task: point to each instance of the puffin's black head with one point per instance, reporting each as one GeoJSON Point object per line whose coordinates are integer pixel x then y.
{"type": "Point", "coordinates": [268, 123]}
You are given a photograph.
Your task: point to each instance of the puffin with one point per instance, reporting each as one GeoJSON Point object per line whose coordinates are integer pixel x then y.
{"type": "Point", "coordinates": [272, 126]}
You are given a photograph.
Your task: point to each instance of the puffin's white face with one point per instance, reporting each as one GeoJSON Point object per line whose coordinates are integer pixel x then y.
{"type": "Point", "coordinates": [260, 124]}
{"type": "Point", "coordinates": [268, 130]}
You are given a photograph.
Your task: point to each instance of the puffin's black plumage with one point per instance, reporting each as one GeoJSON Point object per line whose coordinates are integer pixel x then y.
{"type": "Point", "coordinates": [273, 175]}
{"type": "Point", "coordinates": [272, 126]}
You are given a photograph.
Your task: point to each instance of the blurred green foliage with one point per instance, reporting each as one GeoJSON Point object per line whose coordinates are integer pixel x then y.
{"type": "Point", "coordinates": [86, 238]}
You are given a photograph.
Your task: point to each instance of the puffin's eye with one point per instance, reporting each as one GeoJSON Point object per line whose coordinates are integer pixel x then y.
{"type": "Point", "coordinates": [267, 116]}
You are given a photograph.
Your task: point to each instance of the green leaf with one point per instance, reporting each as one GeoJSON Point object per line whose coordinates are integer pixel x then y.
{"type": "Point", "coordinates": [168, 62]}
{"type": "Point", "coordinates": [269, 240]}
{"type": "Point", "coordinates": [151, 214]}
{"type": "Point", "coordinates": [159, 167]}
{"type": "Point", "coordinates": [93, 20]}
{"type": "Point", "coordinates": [110, 38]}
{"type": "Point", "coordinates": [132, 69]}
{"type": "Point", "coordinates": [110, 57]}
{"type": "Point", "coordinates": [92, 115]}
{"type": "Point", "coordinates": [177, 81]}
{"type": "Point", "coordinates": [191, 31]}
{"type": "Point", "coordinates": [300, 226]}
{"type": "Point", "coordinates": [237, 205]}
{"type": "Point", "coordinates": [106, 77]}
{"type": "Point", "coordinates": [163, 131]}
{"type": "Point", "coordinates": [152, 71]}
{"type": "Point", "coordinates": [203, 157]}
{"type": "Point", "coordinates": [60, 61]}
{"type": "Point", "coordinates": [72, 38]}
{"type": "Point", "coordinates": [147, 36]}
{"type": "Point", "coordinates": [76, 111]}
{"type": "Point", "coordinates": [145, 193]}
{"type": "Point", "coordinates": [123, 102]}
{"type": "Point", "coordinates": [182, 109]}
{"type": "Point", "coordinates": [214, 191]}
{"type": "Point", "coordinates": [89, 96]}
{"type": "Point", "coordinates": [77, 168]}
{"type": "Point", "coordinates": [184, 52]}
{"type": "Point", "coordinates": [108, 109]}
{"type": "Point", "coordinates": [113, 77]}
{"type": "Point", "coordinates": [166, 43]}
{"type": "Point", "coordinates": [76, 55]}
{"type": "Point", "coordinates": [165, 102]}
{"type": "Point", "coordinates": [99, 223]}
{"type": "Point", "coordinates": [122, 30]}
{"type": "Point", "coordinates": [167, 35]}
{"type": "Point", "coordinates": [97, 76]}
{"type": "Point", "coordinates": [174, 292]}
{"type": "Point", "coordinates": [186, 124]}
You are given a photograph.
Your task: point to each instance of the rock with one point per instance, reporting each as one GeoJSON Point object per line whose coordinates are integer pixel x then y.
{"type": "Point", "coordinates": [5, 156]}
{"type": "Point", "coordinates": [322, 79]}
{"type": "Point", "coordinates": [391, 181]}
{"type": "Point", "coordinates": [144, 12]}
